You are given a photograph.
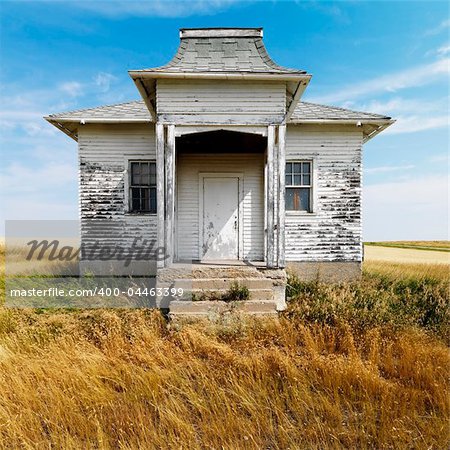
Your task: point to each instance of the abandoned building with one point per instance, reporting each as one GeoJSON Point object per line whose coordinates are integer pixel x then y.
{"type": "Point", "coordinates": [226, 168]}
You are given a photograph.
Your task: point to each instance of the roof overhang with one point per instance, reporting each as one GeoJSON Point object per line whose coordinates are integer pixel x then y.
{"type": "Point", "coordinates": [294, 92]}
{"type": "Point", "coordinates": [70, 125]}
{"type": "Point", "coordinates": [370, 127]}
{"type": "Point", "coordinates": [275, 76]}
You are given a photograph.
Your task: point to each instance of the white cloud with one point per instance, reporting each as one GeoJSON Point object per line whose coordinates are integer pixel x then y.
{"type": "Point", "coordinates": [438, 29]}
{"type": "Point", "coordinates": [412, 77]}
{"type": "Point", "coordinates": [72, 88]}
{"type": "Point", "coordinates": [411, 115]}
{"type": "Point", "coordinates": [18, 178]}
{"type": "Point", "coordinates": [439, 158]}
{"type": "Point", "coordinates": [412, 124]}
{"type": "Point", "coordinates": [155, 8]}
{"type": "Point", "coordinates": [406, 210]}
{"type": "Point", "coordinates": [103, 80]}
{"type": "Point", "coordinates": [398, 105]}
{"type": "Point", "coordinates": [444, 50]}
{"type": "Point", "coordinates": [44, 190]}
{"type": "Point", "coordinates": [382, 169]}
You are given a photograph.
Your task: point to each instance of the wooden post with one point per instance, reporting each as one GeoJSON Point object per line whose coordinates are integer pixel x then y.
{"type": "Point", "coordinates": [270, 257]}
{"type": "Point", "coordinates": [170, 193]}
{"type": "Point", "coordinates": [160, 190]}
{"type": "Point", "coordinates": [281, 194]}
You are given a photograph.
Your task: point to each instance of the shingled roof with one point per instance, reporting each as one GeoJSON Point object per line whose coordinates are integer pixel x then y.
{"type": "Point", "coordinates": [121, 112]}
{"type": "Point", "coordinates": [206, 50]}
{"type": "Point", "coordinates": [305, 111]}
{"type": "Point", "coordinates": [137, 111]}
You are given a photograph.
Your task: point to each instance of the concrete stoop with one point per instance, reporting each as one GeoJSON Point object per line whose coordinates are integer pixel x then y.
{"type": "Point", "coordinates": [204, 287]}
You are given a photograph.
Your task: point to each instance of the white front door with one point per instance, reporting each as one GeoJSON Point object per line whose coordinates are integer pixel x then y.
{"type": "Point", "coordinates": [220, 218]}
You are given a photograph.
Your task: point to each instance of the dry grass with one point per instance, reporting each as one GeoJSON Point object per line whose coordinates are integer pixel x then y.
{"type": "Point", "coordinates": [333, 372]}
{"type": "Point", "coordinates": [122, 379]}
{"type": "Point", "coordinates": [400, 271]}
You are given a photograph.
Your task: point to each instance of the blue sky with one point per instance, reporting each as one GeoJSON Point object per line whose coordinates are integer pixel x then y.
{"type": "Point", "coordinates": [386, 57]}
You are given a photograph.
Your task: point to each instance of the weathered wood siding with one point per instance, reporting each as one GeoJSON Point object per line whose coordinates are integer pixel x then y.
{"type": "Point", "coordinates": [103, 153]}
{"type": "Point", "coordinates": [333, 231]}
{"type": "Point", "coordinates": [188, 168]}
{"type": "Point", "coordinates": [221, 101]}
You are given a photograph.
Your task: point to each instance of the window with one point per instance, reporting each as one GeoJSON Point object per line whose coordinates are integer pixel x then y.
{"type": "Point", "coordinates": [298, 186]}
{"type": "Point", "coordinates": [142, 187]}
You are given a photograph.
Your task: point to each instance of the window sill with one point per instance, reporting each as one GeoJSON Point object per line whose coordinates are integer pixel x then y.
{"type": "Point", "coordinates": [129, 213]}
{"type": "Point", "coordinates": [301, 213]}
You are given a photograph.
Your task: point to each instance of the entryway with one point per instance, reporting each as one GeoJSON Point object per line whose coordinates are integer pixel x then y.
{"type": "Point", "coordinates": [219, 209]}
{"type": "Point", "coordinates": [219, 216]}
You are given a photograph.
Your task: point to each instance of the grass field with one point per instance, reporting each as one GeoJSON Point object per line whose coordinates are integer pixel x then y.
{"type": "Point", "coordinates": [418, 245]}
{"type": "Point", "coordinates": [406, 255]}
{"type": "Point", "coordinates": [355, 365]}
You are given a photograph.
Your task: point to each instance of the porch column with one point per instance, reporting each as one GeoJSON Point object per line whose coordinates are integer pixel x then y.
{"type": "Point", "coordinates": [160, 203]}
{"type": "Point", "coordinates": [170, 194]}
{"type": "Point", "coordinates": [270, 247]}
{"type": "Point", "coordinates": [281, 194]}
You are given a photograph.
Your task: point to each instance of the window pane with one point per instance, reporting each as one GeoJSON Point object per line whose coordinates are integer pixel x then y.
{"type": "Point", "coordinates": [135, 174]}
{"type": "Point", "coordinates": [288, 168]}
{"type": "Point", "coordinates": [145, 174]}
{"type": "Point", "coordinates": [145, 199]}
{"type": "Point", "coordinates": [135, 204]}
{"type": "Point", "coordinates": [306, 179]}
{"type": "Point", "coordinates": [289, 199]}
{"type": "Point", "coordinates": [135, 199]}
{"type": "Point", "coordinates": [297, 168]}
{"type": "Point", "coordinates": [288, 179]}
{"type": "Point", "coordinates": [297, 199]}
{"type": "Point", "coordinates": [152, 174]}
{"type": "Point", "coordinates": [306, 168]}
{"type": "Point", "coordinates": [153, 200]}
{"type": "Point", "coordinates": [304, 199]}
{"type": "Point", "coordinates": [297, 180]}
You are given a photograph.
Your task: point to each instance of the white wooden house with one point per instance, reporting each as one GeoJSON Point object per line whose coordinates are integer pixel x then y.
{"type": "Point", "coordinates": [221, 163]}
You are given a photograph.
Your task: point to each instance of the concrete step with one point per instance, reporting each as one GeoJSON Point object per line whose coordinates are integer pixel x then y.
{"type": "Point", "coordinates": [195, 271]}
{"type": "Point", "coordinates": [222, 283]}
{"type": "Point", "coordinates": [208, 308]}
{"type": "Point", "coordinates": [255, 294]}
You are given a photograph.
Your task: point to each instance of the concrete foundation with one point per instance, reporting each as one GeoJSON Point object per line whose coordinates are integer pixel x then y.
{"type": "Point", "coordinates": [329, 272]}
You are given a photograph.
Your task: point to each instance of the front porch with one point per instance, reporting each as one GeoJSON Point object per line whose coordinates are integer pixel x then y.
{"type": "Point", "coordinates": [206, 285]}
{"type": "Point", "coordinates": [221, 189]}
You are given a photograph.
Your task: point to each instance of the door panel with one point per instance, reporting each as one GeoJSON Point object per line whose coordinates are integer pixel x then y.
{"type": "Point", "coordinates": [220, 218]}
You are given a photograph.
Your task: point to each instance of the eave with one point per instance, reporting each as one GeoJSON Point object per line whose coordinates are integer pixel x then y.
{"type": "Point", "coordinates": [64, 124]}
{"type": "Point", "coordinates": [370, 127]}
{"type": "Point", "coordinates": [275, 76]}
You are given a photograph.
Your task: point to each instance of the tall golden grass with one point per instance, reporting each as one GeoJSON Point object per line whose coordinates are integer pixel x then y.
{"type": "Point", "coordinates": [123, 379]}
{"type": "Point", "coordinates": [128, 379]}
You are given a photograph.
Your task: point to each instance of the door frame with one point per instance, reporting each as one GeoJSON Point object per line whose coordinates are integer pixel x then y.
{"type": "Point", "coordinates": [240, 177]}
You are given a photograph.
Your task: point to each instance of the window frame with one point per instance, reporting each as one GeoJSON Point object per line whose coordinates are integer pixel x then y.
{"type": "Point", "coordinates": [311, 187]}
{"type": "Point", "coordinates": [129, 186]}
